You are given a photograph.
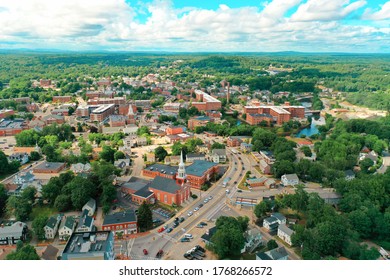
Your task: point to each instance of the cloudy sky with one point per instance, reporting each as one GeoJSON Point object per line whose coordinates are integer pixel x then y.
{"type": "Point", "coordinates": [197, 25]}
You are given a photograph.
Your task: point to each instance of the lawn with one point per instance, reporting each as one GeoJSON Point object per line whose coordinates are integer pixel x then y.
{"type": "Point", "coordinates": [43, 210]}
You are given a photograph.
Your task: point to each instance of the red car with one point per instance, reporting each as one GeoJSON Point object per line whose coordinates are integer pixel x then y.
{"type": "Point", "coordinates": [161, 229]}
{"type": "Point", "coordinates": [145, 251]}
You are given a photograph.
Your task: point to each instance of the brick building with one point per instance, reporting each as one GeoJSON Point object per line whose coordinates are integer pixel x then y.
{"type": "Point", "coordinates": [169, 191]}
{"type": "Point", "coordinates": [280, 114]}
{"type": "Point", "coordinates": [12, 127]}
{"type": "Point", "coordinates": [6, 113]}
{"type": "Point", "coordinates": [235, 141]}
{"type": "Point", "coordinates": [206, 102]}
{"type": "Point", "coordinates": [49, 167]}
{"type": "Point", "coordinates": [50, 119]}
{"type": "Point", "coordinates": [60, 112]}
{"type": "Point", "coordinates": [62, 99]}
{"type": "Point", "coordinates": [102, 112]}
{"type": "Point", "coordinates": [45, 82]}
{"type": "Point", "coordinates": [198, 121]}
{"type": "Point", "coordinates": [173, 130]}
{"type": "Point", "coordinates": [117, 121]}
{"type": "Point", "coordinates": [255, 119]}
{"type": "Point", "coordinates": [117, 101]}
{"type": "Point", "coordinates": [125, 222]}
{"type": "Point", "coordinates": [172, 107]}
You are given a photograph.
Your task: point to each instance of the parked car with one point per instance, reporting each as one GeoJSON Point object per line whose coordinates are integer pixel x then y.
{"type": "Point", "coordinates": [210, 197]}
{"type": "Point", "coordinates": [203, 224]}
{"type": "Point", "coordinates": [199, 226]}
{"type": "Point", "coordinates": [156, 221]}
{"type": "Point", "coordinates": [159, 253]}
{"type": "Point", "coordinates": [189, 213]}
{"type": "Point", "coordinates": [181, 219]}
{"type": "Point", "coordinates": [169, 230]}
{"type": "Point", "coordinates": [145, 251]}
{"type": "Point", "coordinates": [206, 200]}
{"type": "Point", "coordinates": [161, 229]}
{"type": "Point", "coordinates": [185, 239]}
{"type": "Point", "coordinates": [196, 209]}
{"type": "Point", "coordinates": [239, 190]}
{"type": "Point", "coordinates": [200, 205]}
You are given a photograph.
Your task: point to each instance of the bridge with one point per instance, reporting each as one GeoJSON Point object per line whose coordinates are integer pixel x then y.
{"type": "Point", "coordinates": [303, 97]}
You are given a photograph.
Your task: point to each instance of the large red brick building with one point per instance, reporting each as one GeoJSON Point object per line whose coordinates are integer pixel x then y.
{"type": "Point", "coordinates": [12, 127]}
{"type": "Point", "coordinates": [206, 102]}
{"type": "Point", "coordinates": [173, 130]}
{"type": "Point", "coordinates": [62, 99]}
{"type": "Point", "coordinates": [102, 112]}
{"type": "Point", "coordinates": [6, 113]}
{"type": "Point", "coordinates": [198, 121]}
{"type": "Point", "coordinates": [279, 114]}
{"type": "Point", "coordinates": [105, 101]}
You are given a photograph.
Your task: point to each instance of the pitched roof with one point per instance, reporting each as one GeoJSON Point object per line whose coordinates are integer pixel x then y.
{"type": "Point", "coordinates": [199, 167]}
{"type": "Point", "coordinates": [52, 222]}
{"type": "Point", "coordinates": [120, 217]}
{"type": "Point", "coordinates": [50, 253]}
{"type": "Point", "coordinates": [91, 203]}
{"type": "Point", "coordinates": [278, 216]}
{"type": "Point", "coordinates": [277, 253]}
{"type": "Point", "coordinates": [85, 220]}
{"type": "Point", "coordinates": [285, 229]}
{"type": "Point", "coordinates": [164, 184]}
{"type": "Point", "coordinates": [144, 192]}
{"type": "Point", "coordinates": [69, 222]}
{"type": "Point", "coordinates": [15, 230]}
{"type": "Point", "coordinates": [210, 234]}
{"type": "Point", "coordinates": [291, 177]}
{"type": "Point", "coordinates": [219, 152]}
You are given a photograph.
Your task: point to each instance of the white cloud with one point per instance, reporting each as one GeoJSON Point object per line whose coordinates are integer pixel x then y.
{"type": "Point", "coordinates": [112, 25]}
{"type": "Point", "coordinates": [324, 10]}
{"type": "Point", "coordinates": [382, 14]}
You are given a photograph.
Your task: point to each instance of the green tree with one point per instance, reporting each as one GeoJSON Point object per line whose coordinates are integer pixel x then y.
{"type": "Point", "coordinates": [282, 167]}
{"type": "Point", "coordinates": [229, 238]}
{"type": "Point", "coordinates": [63, 203]}
{"type": "Point", "coordinates": [108, 154]}
{"type": "Point", "coordinates": [143, 130]}
{"type": "Point", "coordinates": [27, 138]}
{"type": "Point", "coordinates": [119, 155]}
{"type": "Point", "coordinates": [261, 209]}
{"type": "Point", "coordinates": [3, 199]}
{"type": "Point", "coordinates": [306, 151]}
{"type": "Point", "coordinates": [29, 194]}
{"type": "Point", "coordinates": [38, 225]}
{"type": "Point", "coordinates": [160, 153]}
{"type": "Point", "coordinates": [271, 244]}
{"type": "Point", "coordinates": [365, 164]}
{"type": "Point", "coordinates": [34, 156]}
{"type": "Point", "coordinates": [145, 217]}
{"type": "Point", "coordinates": [217, 145]}
{"type": "Point", "coordinates": [23, 252]}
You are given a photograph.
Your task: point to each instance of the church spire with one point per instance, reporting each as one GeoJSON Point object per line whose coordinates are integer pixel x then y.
{"type": "Point", "coordinates": [181, 172]}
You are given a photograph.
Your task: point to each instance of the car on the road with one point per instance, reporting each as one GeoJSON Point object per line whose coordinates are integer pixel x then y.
{"type": "Point", "coordinates": [199, 226]}
{"type": "Point", "coordinates": [200, 205]}
{"type": "Point", "coordinates": [145, 251]}
{"type": "Point", "coordinates": [235, 182]}
{"type": "Point", "coordinates": [159, 253]}
{"type": "Point", "coordinates": [161, 230]}
{"type": "Point", "coordinates": [185, 239]}
{"type": "Point", "coordinates": [175, 225]}
{"type": "Point", "coordinates": [169, 230]}
{"type": "Point", "coordinates": [189, 213]}
{"type": "Point", "coordinates": [196, 209]}
{"type": "Point", "coordinates": [203, 224]}
{"type": "Point", "coordinates": [239, 190]}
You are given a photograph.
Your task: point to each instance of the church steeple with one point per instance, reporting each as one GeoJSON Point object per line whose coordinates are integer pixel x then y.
{"type": "Point", "coordinates": [181, 172]}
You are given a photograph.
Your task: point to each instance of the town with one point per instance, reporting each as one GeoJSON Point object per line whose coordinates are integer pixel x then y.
{"type": "Point", "coordinates": [174, 161]}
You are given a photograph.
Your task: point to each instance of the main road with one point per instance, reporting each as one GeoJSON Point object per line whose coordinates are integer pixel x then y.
{"type": "Point", "coordinates": [155, 241]}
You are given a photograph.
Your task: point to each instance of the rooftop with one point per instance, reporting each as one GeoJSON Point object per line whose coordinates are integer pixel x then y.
{"type": "Point", "coordinates": [164, 184]}
{"type": "Point", "coordinates": [135, 183]}
{"type": "Point", "coordinates": [87, 242]}
{"type": "Point", "coordinates": [165, 169]}
{"type": "Point", "coordinates": [102, 108]}
{"type": "Point", "coordinates": [127, 216]}
{"type": "Point", "coordinates": [15, 229]}
{"type": "Point", "coordinates": [144, 192]}
{"type": "Point", "coordinates": [285, 229]}
{"type": "Point", "coordinates": [199, 167]}
{"type": "Point", "coordinates": [8, 124]}
{"type": "Point", "coordinates": [49, 165]}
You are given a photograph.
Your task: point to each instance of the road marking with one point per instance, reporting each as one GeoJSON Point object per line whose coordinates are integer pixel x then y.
{"type": "Point", "coordinates": [130, 246]}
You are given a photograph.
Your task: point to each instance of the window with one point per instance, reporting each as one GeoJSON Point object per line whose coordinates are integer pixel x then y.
{"type": "Point", "coordinates": [165, 198]}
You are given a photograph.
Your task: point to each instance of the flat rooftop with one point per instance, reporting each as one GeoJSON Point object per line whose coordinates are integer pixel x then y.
{"type": "Point", "coordinates": [102, 109]}
{"type": "Point", "coordinates": [87, 242]}
{"type": "Point", "coordinates": [10, 124]}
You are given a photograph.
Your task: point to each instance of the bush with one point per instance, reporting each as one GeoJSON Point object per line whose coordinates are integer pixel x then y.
{"type": "Point", "coordinates": [194, 196]}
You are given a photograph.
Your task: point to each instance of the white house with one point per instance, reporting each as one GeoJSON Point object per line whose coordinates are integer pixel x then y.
{"type": "Point", "coordinates": [21, 157]}
{"type": "Point", "coordinates": [80, 168]}
{"type": "Point", "coordinates": [85, 222]}
{"type": "Point", "coordinates": [290, 179]}
{"type": "Point", "coordinates": [51, 227]}
{"type": "Point", "coordinates": [272, 223]}
{"type": "Point", "coordinates": [67, 227]}
{"type": "Point", "coordinates": [285, 233]}
{"type": "Point", "coordinates": [90, 206]}
{"type": "Point", "coordinates": [276, 254]}
{"type": "Point", "coordinates": [218, 155]}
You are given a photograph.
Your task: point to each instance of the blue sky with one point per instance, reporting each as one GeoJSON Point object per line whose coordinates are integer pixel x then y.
{"type": "Point", "coordinates": [190, 25]}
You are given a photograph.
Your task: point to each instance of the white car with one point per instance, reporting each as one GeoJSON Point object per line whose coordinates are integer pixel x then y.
{"type": "Point", "coordinates": [196, 209]}
{"type": "Point", "coordinates": [189, 213]}
{"type": "Point", "coordinates": [206, 200]}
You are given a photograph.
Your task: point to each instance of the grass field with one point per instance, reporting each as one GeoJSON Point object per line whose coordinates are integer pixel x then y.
{"type": "Point", "coordinates": [43, 210]}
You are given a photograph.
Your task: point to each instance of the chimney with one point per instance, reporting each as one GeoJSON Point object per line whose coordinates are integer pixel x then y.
{"type": "Point", "coordinates": [228, 93]}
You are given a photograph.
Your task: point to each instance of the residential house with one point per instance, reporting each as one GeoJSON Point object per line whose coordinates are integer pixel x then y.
{"type": "Point", "coordinates": [265, 167]}
{"type": "Point", "coordinates": [276, 254]}
{"type": "Point", "coordinates": [270, 183]}
{"type": "Point", "coordinates": [271, 223]}
{"type": "Point", "coordinates": [256, 182]}
{"type": "Point", "coordinates": [141, 141]}
{"type": "Point", "coordinates": [285, 233]}
{"type": "Point", "coordinates": [50, 253]}
{"type": "Point", "coordinates": [67, 227]}
{"type": "Point", "coordinates": [349, 175]}
{"type": "Point", "coordinates": [193, 157]}
{"type": "Point", "coordinates": [206, 238]}
{"type": "Point", "coordinates": [90, 207]}
{"type": "Point", "coordinates": [253, 239]}
{"type": "Point", "coordinates": [81, 168]}
{"type": "Point", "coordinates": [51, 226]}
{"type": "Point", "coordinates": [218, 155]}
{"type": "Point", "coordinates": [290, 179]}
{"type": "Point", "coordinates": [22, 158]}
{"type": "Point", "coordinates": [122, 163]}
{"type": "Point", "coordinates": [10, 235]}
{"type": "Point", "coordinates": [85, 223]}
